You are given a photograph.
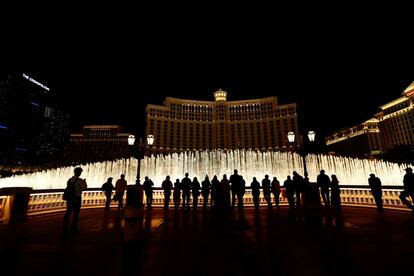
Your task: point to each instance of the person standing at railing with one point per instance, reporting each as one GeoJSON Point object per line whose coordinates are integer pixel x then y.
{"type": "Point", "coordinates": [376, 190]}
{"type": "Point", "coordinates": [224, 193]}
{"type": "Point", "coordinates": [275, 188]}
{"type": "Point", "coordinates": [120, 187]}
{"type": "Point", "coordinates": [195, 188]}
{"type": "Point", "coordinates": [167, 187]}
{"type": "Point", "coordinates": [255, 185]}
{"type": "Point", "coordinates": [290, 192]}
{"type": "Point", "coordinates": [215, 186]}
{"type": "Point", "coordinates": [107, 188]}
{"type": "Point", "coordinates": [177, 193]}
{"type": "Point", "coordinates": [235, 181]}
{"type": "Point", "coordinates": [148, 187]}
{"type": "Point", "coordinates": [299, 186]}
{"type": "Point", "coordinates": [241, 192]}
{"type": "Point", "coordinates": [324, 182]}
{"type": "Point", "coordinates": [76, 186]}
{"type": "Point", "coordinates": [266, 191]}
{"type": "Point", "coordinates": [408, 188]}
{"type": "Point", "coordinates": [335, 192]}
{"type": "Point", "coordinates": [186, 187]}
{"type": "Point", "coordinates": [205, 190]}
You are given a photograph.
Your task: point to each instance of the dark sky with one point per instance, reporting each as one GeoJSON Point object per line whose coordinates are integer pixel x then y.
{"type": "Point", "coordinates": [106, 65]}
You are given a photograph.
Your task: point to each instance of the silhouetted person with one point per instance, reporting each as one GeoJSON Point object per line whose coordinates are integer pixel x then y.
{"type": "Point", "coordinates": [408, 188]}
{"type": "Point", "coordinates": [140, 190]}
{"type": "Point", "coordinates": [266, 190]}
{"type": "Point", "coordinates": [107, 188]}
{"type": "Point", "coordinates": [74, 200]}
{"type": "Point", "coordinates": [205, 190]}
{"type": "Point", "coordinates": [376, 190]}
{"type": "Point", "coordinates": [195, 187]}
{"type": "Point", "coordinates": [335, 192]}
{"type": "Point", "coordinates": [120, 187]}
{"type": "Point", "coordinates": [224, 192]}
{"type": "Point", "coordinates": [275, 189]}
{"type": "Point", "coordinates": [148, 187]}
{"type": "Point", "coordinates": [167, 187]}
{"type": "Point", "coordinates": [299, 186]}
{"type": "Point", "coordinates": [324, 182]}
{"type": "Point", "coordinates": [290, 192]}
{"type": "Point", "coordinates": [177, 193]}
{"type": "Point", "coordinates": [215, 186]}
{"type": "Point", "coordinates": [186, 187]}
{"type": "Point", "coordinates": [235, 181]}
{"type": "Point", "coordinates": [241, 192]}
{"type": "Point", "coordinates": [255, 185]}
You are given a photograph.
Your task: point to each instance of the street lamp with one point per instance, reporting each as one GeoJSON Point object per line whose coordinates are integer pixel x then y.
{"type": "Point", "coordinates": [139, 151]}
{"type": "Point", "coordinates": [303, 149]}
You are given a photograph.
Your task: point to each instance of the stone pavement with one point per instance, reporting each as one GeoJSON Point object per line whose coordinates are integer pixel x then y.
{"type": "Point", "coordinates": [176, 242]}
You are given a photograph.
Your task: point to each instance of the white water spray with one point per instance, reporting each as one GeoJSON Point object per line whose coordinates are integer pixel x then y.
{"type": "Point", "coordinates": [350, 171]}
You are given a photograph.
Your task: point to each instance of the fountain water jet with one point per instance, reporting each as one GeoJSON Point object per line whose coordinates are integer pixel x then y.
{"type": "Point", "coordinates": [350, 171]}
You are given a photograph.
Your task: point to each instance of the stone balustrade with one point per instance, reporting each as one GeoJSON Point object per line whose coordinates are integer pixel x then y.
{"type": "Point", "coordinates": [51, 201]}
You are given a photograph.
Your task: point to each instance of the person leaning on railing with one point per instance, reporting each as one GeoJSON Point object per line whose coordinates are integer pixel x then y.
{"type": "Point", "coordinates": [120, 187]}
{"type": "Point", "coordinates": [408, 188]}
{"type": "Point", "coordinates": [107, 188]}
{"type": "Point", "coordinates": [376, 190]}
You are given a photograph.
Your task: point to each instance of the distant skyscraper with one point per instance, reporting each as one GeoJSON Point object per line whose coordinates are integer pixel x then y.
{"type": "Point", "coordinates": [99, 143]}
{"type": "Point", "coordinates": [33, 129]}
{"type": "Point", "coordinates": [181, 125]}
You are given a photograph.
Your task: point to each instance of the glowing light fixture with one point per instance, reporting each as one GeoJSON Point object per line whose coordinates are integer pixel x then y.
{"type": "Point", "coordinates": [131, 140]}
{"type": "Point", "coordinates": [311, 136]}
{"type": "Point", "coordinates": [291, 137]}
{"type": "Point", "coordinates": [150, 139]}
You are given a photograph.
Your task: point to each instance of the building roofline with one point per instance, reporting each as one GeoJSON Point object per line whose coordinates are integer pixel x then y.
{"type": "Point", "coordinates": [157, 106]}
{"type": "Point", "coordinates": [372, 120]}
{"type": "Point", "coordinates": [345, 129]}
{"type": "Point", "coordinates": [82, 135]}
{"type": "Point", "coordinates": [171, 99]}
{"type": "Point", "coordinates": [409, 90]}
{"type": "Point", "coordinates": [101, 126]}
{"type": "Point", "coordinates": [394, 102]}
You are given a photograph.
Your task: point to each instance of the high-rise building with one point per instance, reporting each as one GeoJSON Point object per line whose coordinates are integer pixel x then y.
{"type": "Point", "coordinates": [99, 143]}
{"type": "Point", "coordinates": [396, 120]}
{"type": "Point", "coordinates": [390, 128]}
{"type": "Point", "coordinates": [33, 129]}
{"type": "Point", "coordinates": [182, 125]}
{"type": "Point", "coordinates": [362, 140]}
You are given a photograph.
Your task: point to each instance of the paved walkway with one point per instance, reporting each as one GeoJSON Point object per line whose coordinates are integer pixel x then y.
{"type": "Point", "coordinates": [356, 242]}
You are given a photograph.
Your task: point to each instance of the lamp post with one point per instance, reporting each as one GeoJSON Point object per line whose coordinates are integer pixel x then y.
{"type": "Point", "coordinates": [133, 210]}
{"type": "Point", "coordinates": [303, 150]}
{"type": "Point", "coordinates": [139, 151]}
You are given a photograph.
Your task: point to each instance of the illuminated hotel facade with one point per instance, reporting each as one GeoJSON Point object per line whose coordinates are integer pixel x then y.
{"type": "Point", "coordinates": [183, 125]}
{"type": "Point", "coordinates": [362, 140]}
{"type": "Point", "coordinates": [98, 143]}
{"type": "Point", "coordinates": [393, 126]}
{"type": "Point", "coordinates": [396, 120]}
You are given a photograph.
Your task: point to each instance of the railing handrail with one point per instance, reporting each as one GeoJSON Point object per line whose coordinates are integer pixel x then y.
{"type": "Point", "coordinates": [384, 187]}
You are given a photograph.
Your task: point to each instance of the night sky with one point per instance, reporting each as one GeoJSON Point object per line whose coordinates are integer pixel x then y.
{"type": "Point", "coordinates": [97, 64]}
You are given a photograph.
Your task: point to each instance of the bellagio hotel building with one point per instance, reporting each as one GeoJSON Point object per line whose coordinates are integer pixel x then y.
{"type": "Point", "coordinates": [183, 125]}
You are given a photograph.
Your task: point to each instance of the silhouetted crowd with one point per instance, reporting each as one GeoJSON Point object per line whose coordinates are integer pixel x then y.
{"type": "Point", "coordinates": [224, 193]}
{"type": "Point", "coordinates": [229, 192]}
